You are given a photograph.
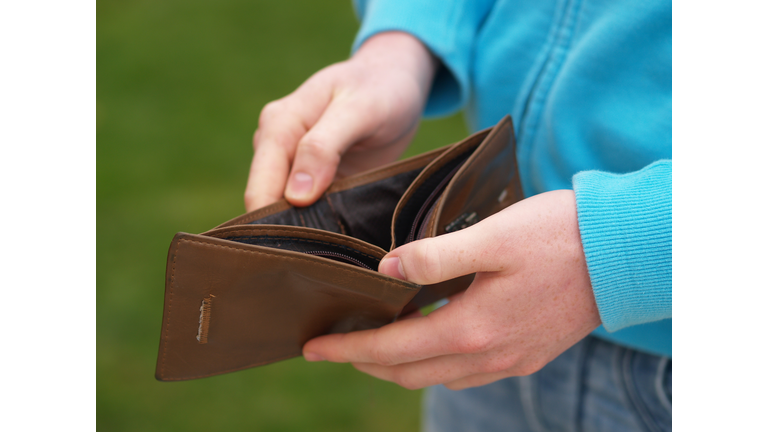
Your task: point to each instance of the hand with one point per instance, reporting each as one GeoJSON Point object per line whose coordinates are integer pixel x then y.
{"type": "Point", "coordinates": [347, 118]}
{"type": "Point", "coordinates": [530, 300]}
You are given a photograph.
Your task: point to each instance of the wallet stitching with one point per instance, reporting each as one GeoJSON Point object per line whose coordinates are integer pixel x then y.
{"type": "Point", "coordinates": [300, 239]}
{"type": "Point", "coordinates": [433, 222]}
{"type": "Point", "coordinates": [356, 182]}
{"type": "Point", "coordinates": [353, 182]}
{"type": "Point", "coordinates": [303, 223]}
{"type": "Point", "coordinates": [335, 214]}
{"type": "Point", "coordinates": [362, 179]}
{"type": "Point", "coordinates": [260, 213]}
{"type": "Point", "coordinates": [249, 232]}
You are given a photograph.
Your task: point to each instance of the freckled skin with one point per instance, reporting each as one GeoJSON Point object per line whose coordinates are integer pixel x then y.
{"type": "Point", "coordinates": [531, 299]}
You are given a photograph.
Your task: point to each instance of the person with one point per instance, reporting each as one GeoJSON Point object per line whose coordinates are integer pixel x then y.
{"type": "Point", "coordinates": [567, 324]}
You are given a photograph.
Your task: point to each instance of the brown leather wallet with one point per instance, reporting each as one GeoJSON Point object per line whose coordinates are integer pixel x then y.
{"type": "Point", "coordinates": [253, 290]}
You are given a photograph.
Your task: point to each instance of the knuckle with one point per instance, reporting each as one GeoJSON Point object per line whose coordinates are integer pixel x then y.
{"type": "Point", "coordinates": [315, 148]}
{"type": "Point", "coordinates": [249, 199]}
{"type": "Point", "coordinates": [497, 364]}
{"type": "Point", "coordinates": [456, 385]}
{"type": "Point", "coordinates": [404, 380]}
{"type": "Point", "coordinates": [269, 112]}
{"type": "Point", "coordinates": [474, 341]}
{"type": "Point", "coordinates": [430, 269]}
{"type": "Point", "coordinates": [312, 145]}
{"type": "Point", "coordinates": [370, 106]}
{"type": "Point", "coordinates": [382, 356]}
{"type": "Point", "coordinates": [529, 368]}
{"type": "Point", "coordinates": [412, 386]}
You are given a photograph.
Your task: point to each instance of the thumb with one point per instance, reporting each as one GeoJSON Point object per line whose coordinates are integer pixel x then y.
{"type": "Point", "coordinates": [429, 261]}
{"type": "Point", "coordinates": [320, 150]}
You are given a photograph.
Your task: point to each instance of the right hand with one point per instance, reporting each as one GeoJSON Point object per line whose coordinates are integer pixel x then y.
{"type": "Point", "coordinates": [346, 118]}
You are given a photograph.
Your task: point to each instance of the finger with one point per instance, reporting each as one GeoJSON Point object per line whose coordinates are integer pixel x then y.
{"type": "Point", "coordinates": [400, 342]}
{"type": "Point", "coordinates": [415, 375]}
{"type": "Point", "coordinates": [433, 260]}
{"type": "Point", "coordinates": [440, 370]}
{"type": "Point", "coordinates": [344, 122]}
{"type": "Point", "coordinates": [282, 124]}
{"type": "Point", "coordinates": [415, 314]}
{"type": "Point", "coordinates": [267, 177]}
{"type": "Point", "coordinates": [477, 380]}
{"type": "Point", "coordinates": [454, 370]}
{"type": "Point", "coordinates": [456, 296]}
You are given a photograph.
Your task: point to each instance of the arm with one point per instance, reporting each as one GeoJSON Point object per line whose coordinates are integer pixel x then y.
{"type": "Point", "coordinates": [362, 113]}
{"type": "Point", "coordinates": [446, 27]}
{"type": "Point", "coordinates": [626, 229]}
{"type": "Point", "coordinates": [532, 297]}
{"type": "Point", "coordinates": [346, 118]}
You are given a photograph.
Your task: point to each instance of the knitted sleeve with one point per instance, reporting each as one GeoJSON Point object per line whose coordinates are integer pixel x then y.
{"type": "Point", "coordinates": [626, 230]}
{"type": "Point", "coordinates": [446, 27]}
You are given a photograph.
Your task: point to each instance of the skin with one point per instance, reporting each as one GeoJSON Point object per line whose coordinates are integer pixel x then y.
{"type": "Point", "coordinates": [531, 298]}
{"type": "Point", "coordinates": [347, 118]}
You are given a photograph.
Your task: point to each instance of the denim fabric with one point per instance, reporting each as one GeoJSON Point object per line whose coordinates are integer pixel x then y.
{"type": "Point", "coordinates": [594, 386]}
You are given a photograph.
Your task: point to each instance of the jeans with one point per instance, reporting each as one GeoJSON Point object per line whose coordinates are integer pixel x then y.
{"type": "Point", "coordinates": [594, 386]}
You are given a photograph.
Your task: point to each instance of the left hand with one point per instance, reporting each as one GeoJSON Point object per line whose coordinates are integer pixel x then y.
{"type": "Point", "coordinates": [530, 300]}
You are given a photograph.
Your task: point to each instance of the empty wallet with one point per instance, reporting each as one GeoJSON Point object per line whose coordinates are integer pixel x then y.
{"type": "Point", "coordinates": [254, 290]}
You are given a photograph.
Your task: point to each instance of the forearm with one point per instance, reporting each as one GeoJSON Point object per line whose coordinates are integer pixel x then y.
{"type": "Point", "coordinates": [403, 50]}
{"type": "Point", "coordinates": [447, 28]}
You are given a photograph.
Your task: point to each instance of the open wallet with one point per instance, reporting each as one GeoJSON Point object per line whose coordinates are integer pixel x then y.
{"type": "Point", "coordinates": [254, 290]}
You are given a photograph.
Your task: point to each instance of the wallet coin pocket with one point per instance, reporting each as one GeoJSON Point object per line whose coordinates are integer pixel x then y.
{"type": "Point", "coordinates": [360, 207]}
{"type": "Point", "coordinates": [417, 207]}
{"type": "Point", "coordinates": [308, 241]}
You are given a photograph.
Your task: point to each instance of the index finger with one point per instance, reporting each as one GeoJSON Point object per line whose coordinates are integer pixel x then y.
{"type": "Point", "coordinates": [400, 342]}
{"type": "Point", "coordinates": [267, 177]}
{"type": "Point", "coordinates": [282, 124]}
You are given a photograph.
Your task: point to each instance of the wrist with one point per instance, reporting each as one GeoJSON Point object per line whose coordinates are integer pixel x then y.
{"type": "Point", "coordinates": [401, 51]}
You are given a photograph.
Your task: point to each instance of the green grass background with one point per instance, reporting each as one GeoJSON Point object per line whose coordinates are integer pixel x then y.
{"type": "Point", "coordinates": [180, 87]}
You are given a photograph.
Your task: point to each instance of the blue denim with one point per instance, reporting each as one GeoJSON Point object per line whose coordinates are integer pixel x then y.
{"type": "Point", "coordinates": [594, 386]}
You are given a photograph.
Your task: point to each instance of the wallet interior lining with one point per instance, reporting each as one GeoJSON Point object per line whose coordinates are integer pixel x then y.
{"type": "Point", "coordinates": [315, 247]}
{"type": "Point", "coordinates": [363, 212]}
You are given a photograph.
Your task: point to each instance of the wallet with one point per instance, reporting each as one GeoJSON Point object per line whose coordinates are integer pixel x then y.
{"type": "Point", "coordinates": [255, 289]}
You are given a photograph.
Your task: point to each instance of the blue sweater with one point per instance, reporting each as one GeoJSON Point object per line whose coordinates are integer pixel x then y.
{"type": "Point", "coordinates": [589, 86]}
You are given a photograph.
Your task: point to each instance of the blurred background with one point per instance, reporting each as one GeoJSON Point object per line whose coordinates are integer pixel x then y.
{"type": "Point", "coordinates": [180, 87]}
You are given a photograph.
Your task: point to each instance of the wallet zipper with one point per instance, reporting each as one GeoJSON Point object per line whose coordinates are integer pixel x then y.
{"type": "Point", "coordinates": [428, 205]}
{"type": "Point", "coordinates": [341, 256]}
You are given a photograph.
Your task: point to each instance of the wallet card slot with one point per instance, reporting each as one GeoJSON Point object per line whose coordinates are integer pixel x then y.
{"type": "Point", "coordinates": [418, 227]}
{"type": "Point", "coordinates": [366, 211]}
{"type": "Point", "coordinates": [363, 212]}
{"type": "Point", "coordinates": [319, 215]}
{"type": "Point", "coordinates": [327, 250]}
{"type": "Point", "coordinates": [424, 198]}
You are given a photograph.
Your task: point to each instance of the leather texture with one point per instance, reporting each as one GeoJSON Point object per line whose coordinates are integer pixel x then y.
{"type": "Point", "coordinates": [255, 289]}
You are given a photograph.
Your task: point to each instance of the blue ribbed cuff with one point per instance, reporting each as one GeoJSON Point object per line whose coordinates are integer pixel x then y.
{"type": "Point", "coordinates": [626, 230]}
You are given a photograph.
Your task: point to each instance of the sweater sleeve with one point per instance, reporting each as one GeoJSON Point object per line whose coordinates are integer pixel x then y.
{"type": "Point", "coordinates": [446, 27]}
{"type": "Point", "coordinates": [626, 230]}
